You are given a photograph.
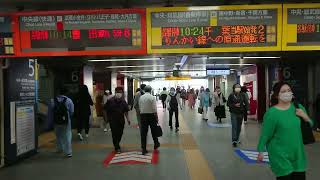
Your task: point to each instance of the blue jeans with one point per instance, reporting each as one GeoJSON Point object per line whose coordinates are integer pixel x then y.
{"type": "Point", "coordinates": [64, 138]}
{"type": "Point", "coordinates": [236, 121]}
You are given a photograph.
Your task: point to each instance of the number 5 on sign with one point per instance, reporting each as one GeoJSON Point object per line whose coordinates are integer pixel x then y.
{"type": "Point", "coordinates": [32, 67]}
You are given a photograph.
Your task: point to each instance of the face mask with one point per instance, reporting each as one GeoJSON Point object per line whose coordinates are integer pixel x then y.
{"type": "Point", "coordinates": [286, 97]}
{"type": "Point", "coordinates": [171, 92]}
{"type": "Point", "coordinates": [119, 95]}
{"type": "Point", "coordinates": [237, 90]}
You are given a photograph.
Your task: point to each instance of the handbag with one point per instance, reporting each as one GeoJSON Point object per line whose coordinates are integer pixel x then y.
{"type": "Point", "coordinates": [306, 130]}
{"type": "Point", "coordinates": [200, 110]}
{"type": "Point", "coordinates": [158, 131]}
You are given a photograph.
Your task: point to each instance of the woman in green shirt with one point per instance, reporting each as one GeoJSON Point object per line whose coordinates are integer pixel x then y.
{"type": "Point", "coordinates": [281, 135]}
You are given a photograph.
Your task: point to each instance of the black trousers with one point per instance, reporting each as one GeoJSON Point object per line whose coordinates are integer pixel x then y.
{"type": "Point", "coordinates": [293, 176]}
{"type": "Point", "coordinates": [245, 116]}
{"type": "Point", "coordinates": [146, 121]}
{"type": "Point", "coordinates": [83, 122]}
{"type": "Point", "coordinates": [117, 132]}
{"type": "Point", "coordinates": [164, 104]}
{"type": "Point", "coordinates": [176, 113]}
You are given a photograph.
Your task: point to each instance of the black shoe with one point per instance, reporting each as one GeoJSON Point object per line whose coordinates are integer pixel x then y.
{"type": "Point", "coordinates": [118, 151]}
{"type": "Point", "coordinates": [144, 152]}
{"type": "Point", "coordinates": [156, 146]}
{"type": "Point", "coordinates": [171, 128]}
{"type": "Point", "coordinates": [177, 129]}
{"type": "Point", "coordinates": [234, 144]}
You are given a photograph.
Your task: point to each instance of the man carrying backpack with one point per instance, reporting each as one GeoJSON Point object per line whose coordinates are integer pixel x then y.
{"type": "Point", "coordinates": [173, 103]}
{"type": "Point", "coordinates": [61, 109]}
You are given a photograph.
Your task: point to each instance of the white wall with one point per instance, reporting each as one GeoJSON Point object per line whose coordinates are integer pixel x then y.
{"type": "Point", "coordinates": [113, 82]}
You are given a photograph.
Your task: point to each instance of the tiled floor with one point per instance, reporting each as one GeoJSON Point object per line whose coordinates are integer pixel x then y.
{"type": "Point", "coordinates": [197, 152]}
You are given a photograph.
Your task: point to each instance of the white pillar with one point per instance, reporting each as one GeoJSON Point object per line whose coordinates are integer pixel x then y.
{"type": "Point", "coordinates": [125, 88]}
{"type": "Point", "coordinates": [113, 82]}
{"type": "Point", "coordinates": [88, 78]}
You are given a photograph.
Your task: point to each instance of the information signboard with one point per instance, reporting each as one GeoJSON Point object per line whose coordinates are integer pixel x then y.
{"type": "Point", "coordinates": [214, 29]}
{"type": "Point", "coordinates": [91, 32]}
{"type": "Point", "coordinates": [6, 36]}
{"type": "Point", "coordinates": [218, 72]}
{"type": "Point", "coordinates": [301, 27]}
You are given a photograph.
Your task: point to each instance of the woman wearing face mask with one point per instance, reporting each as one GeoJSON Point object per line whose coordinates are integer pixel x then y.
{"type": "Point", "coordinates": [205, 103]}
{"type": "Point", "coordinates": [237, 105]}
{"type": "Point", "coordinates": [219, 101]}
{"type": "Point", "coordinates": [281, 135]}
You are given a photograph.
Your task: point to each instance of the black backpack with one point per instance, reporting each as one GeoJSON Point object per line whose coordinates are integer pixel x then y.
{"type": "Point", "coordinates": [60, 112]}
{"type": "Point", "coordinates": [173, 102]}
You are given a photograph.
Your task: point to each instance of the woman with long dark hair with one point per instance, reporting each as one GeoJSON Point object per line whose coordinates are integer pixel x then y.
{"type": "Point", "coordinates": [281, 135]}
{"type": "Point", "coordinates": [84, 102]}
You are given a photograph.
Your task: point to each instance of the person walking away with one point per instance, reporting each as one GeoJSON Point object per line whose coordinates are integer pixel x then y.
{"type": "Point", "coordinates": [244, 90]}
{"type": "Point", "coordinates": [149, 117]}
{"type": "Point", "coordinates": [192, 99]}
{"type": "Point", "coordinates": [281, 135]}
{"type": "Point", "coordinates": [183, 96]}
{"type": "Point", "coordinates": [219, 104]}
{"type": "Point", "coordinates": [136, 104]}
{"type": "Point", "coordinates": [61, 109]}
{"type": "Point", "coordinates": [173, 107]}
{"type": "Point", "coordinates": [317, 108]}
{"type": "Point", "coordinates": [236, 103]}
{"type": "Point", "coordinates": [84, 102]}
{"type": "Point", "coordinates": [117, 110]}
{"type": "Point", "coordinates": [107, 95]}
{"type": "Point", "coordinates": [163, 97]}
{"type": "Point", "coordinates": [205, 103]}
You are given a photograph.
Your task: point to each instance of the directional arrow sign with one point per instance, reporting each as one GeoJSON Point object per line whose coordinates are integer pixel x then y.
{"type": "Point", "coordinates": [250, 156]}
{"type": "Point", "coordinates": [133, 157]}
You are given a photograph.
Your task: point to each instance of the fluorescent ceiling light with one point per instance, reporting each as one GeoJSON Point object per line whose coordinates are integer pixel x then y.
{"type": "Point", "coordinates": [201, 8]}
{"type": "Point", "coordinates": [224, 58]}
{"type": "Point", "coordinates": [249, 57]}
{"type": "Point", "coordinates": [261, 57]}
{"type": "Point", "coordinates": [143, 66]}
{"type": "Point", "coordinates": [230, 64]}
{"type": "Point", "coordinates": [127, 59]}
{"type": "Point", "coordinates": [145, 71]}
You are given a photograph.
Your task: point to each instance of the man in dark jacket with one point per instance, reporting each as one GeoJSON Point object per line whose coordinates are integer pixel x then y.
{"type": "Point", "coordinates": [117, 109]}
{"type": "Point", "coordinates": [237, 105]}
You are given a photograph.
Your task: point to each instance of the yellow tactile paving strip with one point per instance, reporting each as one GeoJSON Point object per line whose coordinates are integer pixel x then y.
{"type": "Point", "coordinates": [197, 165]}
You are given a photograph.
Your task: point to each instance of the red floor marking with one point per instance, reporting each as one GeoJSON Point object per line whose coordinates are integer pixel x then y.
{"type": "Point", "coordinates": [130, 159]}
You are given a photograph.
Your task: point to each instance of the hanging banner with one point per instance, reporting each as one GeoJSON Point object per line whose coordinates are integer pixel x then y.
{"type": "Point", "coordinates": [6, 37]}
{"type": "Point", "coordinates": [301, 27]}
{"type": "Point", "coordinates": [86, 32]}
{"type": "Point", "coordinates": [214, 29]}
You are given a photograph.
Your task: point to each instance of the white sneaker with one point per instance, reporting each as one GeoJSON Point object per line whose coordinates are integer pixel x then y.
{"type": "Point", "coordinates": [105, 130]}
{"type": "Point", "coordinates": [318, 129]}
{"type": "Point", "coordinates": [245, 122]}
{"type": "Point", "coordinates": [80, 137]}
{"type": "Point", "coordinates": [87, 135]}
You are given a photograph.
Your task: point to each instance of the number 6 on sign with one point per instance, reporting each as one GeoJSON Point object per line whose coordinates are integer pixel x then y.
{"type": "Point", "coordinates": [31, 66]}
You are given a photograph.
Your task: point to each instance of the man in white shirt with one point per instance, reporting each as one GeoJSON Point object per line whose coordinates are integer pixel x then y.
{"type": "Point", "coordinates": [149, 117]}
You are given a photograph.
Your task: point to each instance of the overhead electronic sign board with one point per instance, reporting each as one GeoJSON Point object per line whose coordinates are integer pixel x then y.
{"type": "Point", "coordinates": [85, 32]}
{"type": "Point", "coordinates": [218, 72]}
{"type": "Point", "coordinates": [214, 29]}
{"type": "Point", "coordinates": [301, 29]}
{"type": "Point", "coordinates": [6, 36]}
